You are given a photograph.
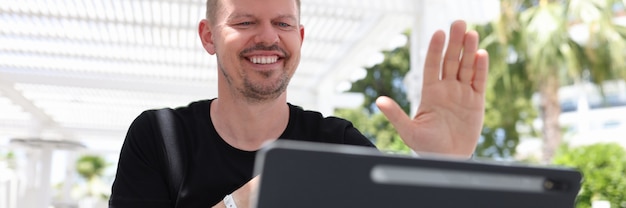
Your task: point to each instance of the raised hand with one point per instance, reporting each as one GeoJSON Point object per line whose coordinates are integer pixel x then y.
{"type": "Point", "coordinates": [450, 117]}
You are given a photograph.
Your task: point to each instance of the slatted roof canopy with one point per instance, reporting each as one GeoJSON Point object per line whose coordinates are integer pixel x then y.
{"type": "Point", "coordinates": [84, 69]}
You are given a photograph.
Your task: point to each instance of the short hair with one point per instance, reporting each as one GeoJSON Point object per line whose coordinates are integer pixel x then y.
{"type": "Point", "coordinates": [213, 5]}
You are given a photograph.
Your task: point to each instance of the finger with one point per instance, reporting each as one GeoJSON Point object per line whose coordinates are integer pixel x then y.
{"type": "Point", "coordinates": [432, 65]}
{"type": "Point", "coordinates": [398, 118]}
{"type": "Point", "coordinates": [470, 45]}
{"type": "Point", "coordinates": [453, 52]}
{"type": "Point", "coordinates": [481, 69]}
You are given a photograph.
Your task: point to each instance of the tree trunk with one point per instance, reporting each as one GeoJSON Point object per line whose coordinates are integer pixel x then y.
{"type": "Point", "coordinates": [550, 112]}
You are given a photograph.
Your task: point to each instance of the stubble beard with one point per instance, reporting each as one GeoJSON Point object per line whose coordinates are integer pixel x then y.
{"type": "Point", "coordinates": [262, 92]}
{"type": "Point", "coordinates": [267, 89]}
{"type": "Point", "coordinates": [259, 92]}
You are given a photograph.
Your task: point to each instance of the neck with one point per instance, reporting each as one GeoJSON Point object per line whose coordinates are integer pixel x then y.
{"type": "Point", "coordinates": [247, 126]}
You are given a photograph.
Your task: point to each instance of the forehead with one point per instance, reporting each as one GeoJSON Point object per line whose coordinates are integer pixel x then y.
{"type": "Point", "coordinates": [258, 8]}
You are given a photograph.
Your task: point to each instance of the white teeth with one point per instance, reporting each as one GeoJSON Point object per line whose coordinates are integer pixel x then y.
{"type": "Point", "coordinates": [264, 59]}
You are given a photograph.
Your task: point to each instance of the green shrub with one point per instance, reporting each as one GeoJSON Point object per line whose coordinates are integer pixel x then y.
{"type": "Point", "coordinates": [604, 169]}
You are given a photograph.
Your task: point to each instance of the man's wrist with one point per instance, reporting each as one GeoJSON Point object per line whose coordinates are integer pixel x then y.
{"type": "Point", "coordinates": [229, 201]}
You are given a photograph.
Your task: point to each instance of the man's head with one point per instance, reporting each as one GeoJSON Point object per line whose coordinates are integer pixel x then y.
{"type": "Point", "coordinates": [257, 44]}
{"type": "Point", "coordinates": [212, 6]}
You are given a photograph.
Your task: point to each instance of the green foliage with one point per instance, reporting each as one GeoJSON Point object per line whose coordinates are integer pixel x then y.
{"type": "Point", "coordinates": [383, 79]}
{"type": "Point", "coordinates": [91, 166]}
{"type": "Point", "coordinates": [604, 169]}
{"type": "Point", "coordinates": [530, 43]}
{"type": "Point", "coordinates": [9, 158]}
{"type": "Point", "coordinates": [377, 128]}
{"type": "Point", "coordinates": [508, 104]}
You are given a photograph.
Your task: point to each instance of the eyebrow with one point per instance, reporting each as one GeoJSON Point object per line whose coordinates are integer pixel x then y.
{"type": "Point", "coordinates": [288, 16]}
{"type": "Point", "coordinates": [238, 15]}
{"type": "Point", "coordinates": [246, 15]}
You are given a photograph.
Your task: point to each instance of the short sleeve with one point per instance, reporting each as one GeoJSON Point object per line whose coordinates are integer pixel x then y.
{"type": "Point", "coordinates": [140, 180]}
{"type": "Point", "coordinates": [313, 126]}
{"type": "Point", "coordinates": [354, 137]}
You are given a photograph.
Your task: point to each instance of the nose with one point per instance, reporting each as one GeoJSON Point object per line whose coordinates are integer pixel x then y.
{"type": "Point", "coordinates": [267, 34]}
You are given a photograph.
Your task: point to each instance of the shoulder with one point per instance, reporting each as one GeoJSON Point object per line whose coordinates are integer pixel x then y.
{"type": "Point", "coordinates": [314, 118]}
{"type": "Point", "coordinates": [194, 108]}
{"type": "Point", "coordinates": [181, 114]}
{"type": "Point", "coordinates": [202, 105]}
{"type": "Point", "coordinates": [147, 123]}
{"type": "Point", "coordinates": [313, 126]}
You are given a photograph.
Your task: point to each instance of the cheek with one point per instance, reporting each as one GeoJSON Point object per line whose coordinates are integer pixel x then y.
{"type": "Point", "coordinates": [229, 50]}
{"type": "Point", "coordinates": [293, 44]}
{"type": "Point", "coordinates": [232, 41]}
{"type": "Point", "coordinates": [294, 49]}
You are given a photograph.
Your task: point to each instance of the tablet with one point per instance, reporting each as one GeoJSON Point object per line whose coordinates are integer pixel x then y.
{"type": "Point", "coordinates": [304, 174]}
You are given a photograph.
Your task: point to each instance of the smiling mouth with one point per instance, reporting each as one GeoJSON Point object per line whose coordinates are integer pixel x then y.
{"type": "Point", "coordinates": [263, 59]}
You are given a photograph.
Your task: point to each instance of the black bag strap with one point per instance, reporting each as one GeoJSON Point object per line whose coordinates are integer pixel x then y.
{"type": "Point", "coordinates": [172, 143]}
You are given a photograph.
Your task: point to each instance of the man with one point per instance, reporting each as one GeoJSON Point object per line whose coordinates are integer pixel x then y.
{"type": "Point", "coordinates": [257, 45]}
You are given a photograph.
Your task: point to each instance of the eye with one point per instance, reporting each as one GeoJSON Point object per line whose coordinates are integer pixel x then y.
{"type": "Point", "coordinates": [282, 24]}
{"type": "Point", "coordinates": [244, 23]}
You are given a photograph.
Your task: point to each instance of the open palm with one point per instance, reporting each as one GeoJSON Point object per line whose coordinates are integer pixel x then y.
{"type": "Point", "coordinates": [450, 116]}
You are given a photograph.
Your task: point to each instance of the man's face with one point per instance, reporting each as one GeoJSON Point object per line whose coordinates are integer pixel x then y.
{"type": "Point", "coordinates": [257, 44]}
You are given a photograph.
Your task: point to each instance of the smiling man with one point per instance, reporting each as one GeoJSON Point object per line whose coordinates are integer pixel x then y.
{"type": "Point", "coordinates": [257, 52]}
{"type": "Point", "coordinates": [257, 44]}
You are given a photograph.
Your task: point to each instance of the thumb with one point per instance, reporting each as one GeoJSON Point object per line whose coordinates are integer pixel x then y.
{"type": "Point", "coordinates": [394, 113]}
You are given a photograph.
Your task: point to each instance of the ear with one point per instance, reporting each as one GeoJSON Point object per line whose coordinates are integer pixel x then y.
{"type": "Point", "coordinates": [205, 31]}
{"type": "Point", "coordinates": [301, 34]}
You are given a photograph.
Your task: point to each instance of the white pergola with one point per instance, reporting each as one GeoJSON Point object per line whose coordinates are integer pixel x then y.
{"type": "Point", "coordinates": [82, 70]}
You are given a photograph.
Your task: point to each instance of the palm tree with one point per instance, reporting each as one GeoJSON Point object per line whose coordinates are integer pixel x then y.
{"type": "Point", "coordinates": [508, 96]}
{"type": "Point", "coordinates": [535, 35]}
{"type": "Point", "coordinates": [91, 168]}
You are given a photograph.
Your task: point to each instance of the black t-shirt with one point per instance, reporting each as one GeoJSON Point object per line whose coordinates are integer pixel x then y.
{"type": "Point", "coordinates": [214, 168]}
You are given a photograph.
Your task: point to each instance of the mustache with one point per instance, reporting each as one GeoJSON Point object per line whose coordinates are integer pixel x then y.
{"type": "Point", "coordinates": [261, 47]}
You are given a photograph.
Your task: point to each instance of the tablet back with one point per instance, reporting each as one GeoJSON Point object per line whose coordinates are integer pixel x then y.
{"type": "Point", "coordinates": [300, 174]}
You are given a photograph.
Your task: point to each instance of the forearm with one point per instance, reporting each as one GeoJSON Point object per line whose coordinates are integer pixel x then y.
{"type": "Point", "coordinates": [231, 202]}
{"type": "Point", "coordinates": [240, 198]}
